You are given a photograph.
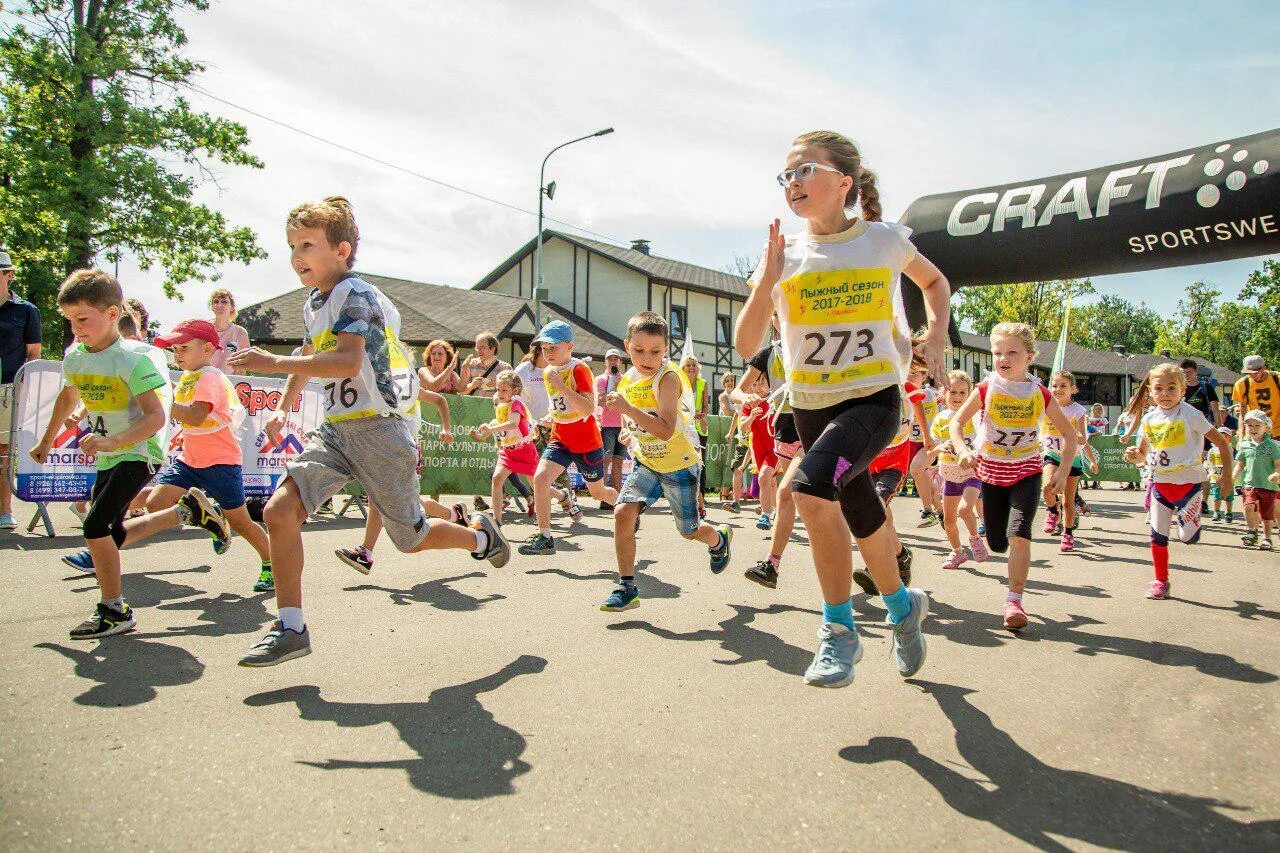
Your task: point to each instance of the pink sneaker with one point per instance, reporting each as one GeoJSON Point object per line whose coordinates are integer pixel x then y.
{"type": "Point", "coordinates": [955, 559]}
{"type": "Point", "coordinates": [978, 547]}
{"type": "Point", "coordinates": [1068, 543]}
{"type": "Point", "coordinates": [1015, 618]}
{"type": "Point", "coordinates": [1050, 521]}
{"type": "Point", "coordinates": [1158, 590]}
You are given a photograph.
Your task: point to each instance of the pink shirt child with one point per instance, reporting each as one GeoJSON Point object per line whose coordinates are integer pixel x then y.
{"type": "Point", "coordinates": [214, 442]}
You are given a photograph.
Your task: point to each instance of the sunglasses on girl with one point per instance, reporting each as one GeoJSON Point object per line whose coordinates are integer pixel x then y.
{"type": "Point", "coordinates": [803, 172]}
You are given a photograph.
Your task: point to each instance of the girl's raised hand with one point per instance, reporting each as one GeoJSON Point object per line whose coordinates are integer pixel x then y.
{"type": "Point", "coordinates": [774, 251]}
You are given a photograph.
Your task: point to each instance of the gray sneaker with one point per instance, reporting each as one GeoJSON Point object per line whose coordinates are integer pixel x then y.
{"type": "Point", "coordinates": [278, 646]}
{"type": "Point", "coordinates": [909, 647]}
{"type": "Point", "coordinates": [499, 550]}
{"type": "Point", "coordinates": [838, 650]}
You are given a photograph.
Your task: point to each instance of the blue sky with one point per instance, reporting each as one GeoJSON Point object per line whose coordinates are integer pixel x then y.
{"type": "Point", "coordinates": [705, 97]}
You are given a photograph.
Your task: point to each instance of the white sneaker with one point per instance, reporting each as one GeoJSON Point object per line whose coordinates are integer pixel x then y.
{"type": "Point", "coordinates": [8, 522]}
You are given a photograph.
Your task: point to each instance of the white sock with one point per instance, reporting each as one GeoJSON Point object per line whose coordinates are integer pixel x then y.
{"type": "Point", "coordinates": [546, 533]}
{"type": "Point", "coordinates": [116, 604]}
{"type": "Point", "coordinates": [291, 618]}
{"type": "Point", "coordinates": [482, 543]}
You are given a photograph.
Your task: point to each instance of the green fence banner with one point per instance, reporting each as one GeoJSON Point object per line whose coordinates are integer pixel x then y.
{"type": "Point", "coordinates": [719, 453]}
{"type": "Point", "coordinates": [465, 466]}
{"type": "Point", "coordinates": [1112, 466]}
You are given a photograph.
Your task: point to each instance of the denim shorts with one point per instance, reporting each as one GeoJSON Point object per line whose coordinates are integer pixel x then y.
{"type": "Point", "coordinates": [645, 485]}
{"type": "Point", "coordinates": [612, 446]}
{"type": "Point", "coordinates": [590, 464]}
{"type": "Point", "coordinates": [223, 483]}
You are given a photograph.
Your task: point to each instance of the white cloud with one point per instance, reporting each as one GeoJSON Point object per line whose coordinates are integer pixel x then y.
{"type": "Point", "coordinates": [705, 102]}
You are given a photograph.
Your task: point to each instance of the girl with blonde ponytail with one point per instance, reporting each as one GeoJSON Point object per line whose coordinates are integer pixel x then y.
{"type": "Point", "coordinates": [836, 288]}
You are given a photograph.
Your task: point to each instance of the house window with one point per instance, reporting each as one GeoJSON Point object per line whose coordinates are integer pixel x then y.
{"type": "Point", "coordinates": [724, 330]}
{"type": "Point", "coordinates": [678, 322]}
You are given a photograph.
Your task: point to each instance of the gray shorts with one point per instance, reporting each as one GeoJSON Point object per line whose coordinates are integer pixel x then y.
{"type": "Point", "coordinates": [380, 454]}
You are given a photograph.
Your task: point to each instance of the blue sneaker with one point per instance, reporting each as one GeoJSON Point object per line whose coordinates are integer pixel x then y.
{"type": "Point", "coordinates": [625, 596]}
{"type": "Point", "coordinates": [765, 521]}
{"type": "Point", "coordinates": [908, 640]}
{"type": "Point", "coordinates": [838, 650]}
{"type": "Point", "coordinates": [720, 558]}
{"type": "Point", "coordinates": [81, 561]}
{"type": "Point", "coordinates": [982, 529]}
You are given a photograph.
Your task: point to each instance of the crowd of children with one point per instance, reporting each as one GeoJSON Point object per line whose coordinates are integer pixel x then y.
{"type": "Point", "coordinates": [839, 406]}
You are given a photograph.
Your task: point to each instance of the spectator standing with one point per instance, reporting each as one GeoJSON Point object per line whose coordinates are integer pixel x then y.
{"type": "Point", "coordinates": [480, 373]}
{"type": "Point", "coordinates": [232, 338]}
{"type": "Point", "coordinates": [1259, 388]}
{"type": "Point", "coordinates": [19, 343]}
{"type": "Point", "coordinates": [615, 450]}
{"type": "Point", "coordinates": [437, 373]}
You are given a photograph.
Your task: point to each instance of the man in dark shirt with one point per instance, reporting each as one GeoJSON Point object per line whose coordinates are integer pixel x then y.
{"type": "Point", "coordinates": [1200, 394]}
{"type": "Point", "coordinates": [19, 342]}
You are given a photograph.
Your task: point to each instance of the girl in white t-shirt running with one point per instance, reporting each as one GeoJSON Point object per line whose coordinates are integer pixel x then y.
{"type": "Point", "coordinates": [1062, 506]}
{"type": "Point", "coordinates": [836, 288]}
{"type": "Point", "coordinates": [1171, 439]}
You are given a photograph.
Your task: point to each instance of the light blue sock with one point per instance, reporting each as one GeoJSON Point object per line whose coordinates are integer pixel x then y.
{"type": "Point", "coordinates": [899, 604]}
{"type": "Point", "coordinates": [839, 614]}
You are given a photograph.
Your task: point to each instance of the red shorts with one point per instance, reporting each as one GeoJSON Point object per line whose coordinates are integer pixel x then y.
{"type": "Point", "coordinates": [897, 458]}
{"type": "Point", "coordinates": [914, 448]}
{"type": "Point", "coordinates": [1263, 499]}
{"type": "Point", "coordinates": [763, 455]}
{"type": "Point", "coordinates": [521, 459]}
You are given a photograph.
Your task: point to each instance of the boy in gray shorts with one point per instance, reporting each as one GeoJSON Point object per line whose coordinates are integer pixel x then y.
{"type": "Point", "coordinates": [369, 434]}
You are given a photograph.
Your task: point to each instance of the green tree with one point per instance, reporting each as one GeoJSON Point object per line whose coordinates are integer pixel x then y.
{"type": "Point", "coordinates": [1041, 305]}
{"type": "Point", "coordinates": [1263, 334]}
{"type": "Point", "coordinates": [1114, 321]}
{"type": "Point", "coordinates": [101, 154]}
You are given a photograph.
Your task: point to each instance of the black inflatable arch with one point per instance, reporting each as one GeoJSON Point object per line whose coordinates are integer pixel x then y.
{"type": "Point", "coordinates": [1212, 203]}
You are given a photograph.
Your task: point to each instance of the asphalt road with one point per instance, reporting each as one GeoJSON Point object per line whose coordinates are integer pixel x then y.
{"type": "Point", "coordinates": [448, 703]}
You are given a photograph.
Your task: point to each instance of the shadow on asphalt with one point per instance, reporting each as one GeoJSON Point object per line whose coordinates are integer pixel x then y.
{"type": "Point", "coordinates": [1038, 803]}
{"type": "Point", "coordinates": [1087, 591]}
{"type": "Point", "coordinates": [1250, 610]}
{"type": "Point", "coordinates": [438, 593]}
{"type": "Point", "coordinates": [149, 589]}
{"type": "Point", "coordinates": [649, 586]}
{"type": "Point", "coordinates": [973, 628]}
{"type": "Point", "coordinates": [463, 752]}
{"type": "Point", "coordinates": [739, 637]}
{"type": "Point", "coordinates": [222, 615]}
{"type": "Point", "coordinates": [128, 669]}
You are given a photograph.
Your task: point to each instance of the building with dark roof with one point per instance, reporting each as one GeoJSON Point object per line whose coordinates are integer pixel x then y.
{"type": "Point", "coordinates": [429, 312]}
{"type": "Point", "coordinates": [605, 285]}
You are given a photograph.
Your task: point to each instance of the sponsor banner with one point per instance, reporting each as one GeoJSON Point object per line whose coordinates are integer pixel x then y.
{"type": "Point", "coordinates": [1112, 466]}
{"type": "Point", "coordinates": [1214, 202]}
{"type": "Point", "coordinates": [69, 473]}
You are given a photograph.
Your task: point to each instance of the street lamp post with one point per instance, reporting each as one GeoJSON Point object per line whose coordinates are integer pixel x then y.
{"type": "Point", "coordinates": [548, 191]}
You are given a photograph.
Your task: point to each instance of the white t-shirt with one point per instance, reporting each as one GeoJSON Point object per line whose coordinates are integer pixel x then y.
{"type": "Point", "coordinates": [1050, 438]}
{"type": "Point", "coordinates": [535, 390]}
{"type": "Point", "coordinates": [387, 383]}
{"type": "Point", "coordinates": [839, 300]}
{"type": "Point", "coordinates": [1176, 440]}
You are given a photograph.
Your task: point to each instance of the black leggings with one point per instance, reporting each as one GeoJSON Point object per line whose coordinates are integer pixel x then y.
{"type": "Point", "coordinates": [521, 485]}
{"type": "Point", "coordinates": [1009, 511]}
{"type": "Point", "coordinates": [840, 443]}
{"type": "Point", "coordinates": [113, 491]}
